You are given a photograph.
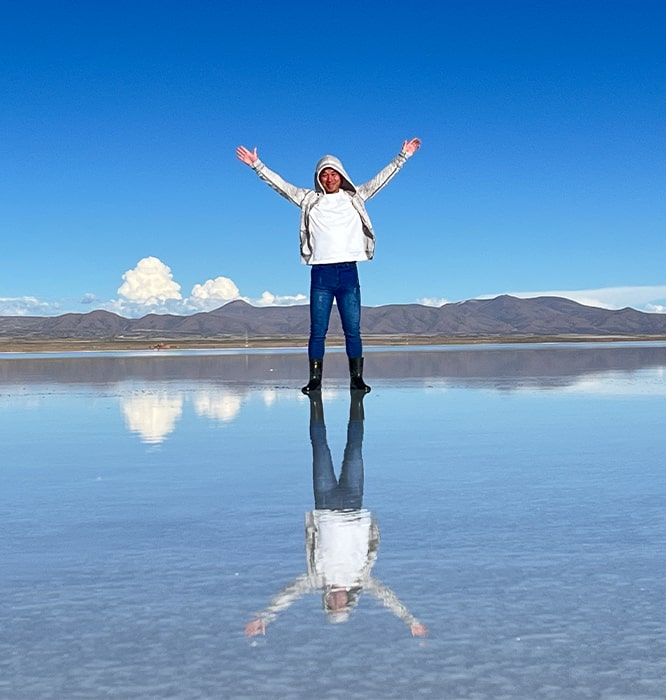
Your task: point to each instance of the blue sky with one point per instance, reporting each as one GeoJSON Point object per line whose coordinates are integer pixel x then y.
{"type": "Point", "coordinates": [542, 170]}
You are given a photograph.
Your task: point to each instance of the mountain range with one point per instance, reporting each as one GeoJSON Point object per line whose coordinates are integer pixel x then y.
{"type": "Point", "coordinates": [503, 316]}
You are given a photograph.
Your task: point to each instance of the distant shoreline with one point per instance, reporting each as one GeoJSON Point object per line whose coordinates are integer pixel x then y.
{"type": "Point", "coordinates": [44, 345]}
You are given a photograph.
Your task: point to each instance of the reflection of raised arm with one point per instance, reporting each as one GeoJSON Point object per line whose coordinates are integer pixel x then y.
{"type": "Point", "coordinates": [389, 600]}
{"type": "Point", "coordinates": [281, 601]}
{"type": "Point", "coordinates": [257, 626]}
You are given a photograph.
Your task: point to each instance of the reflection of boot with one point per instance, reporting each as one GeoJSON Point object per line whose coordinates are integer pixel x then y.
{"type": "Point", "coordinates": [356, 411]}
{"type": "Point", "coordinates": [316, 407]}
{"type": "Point", "coordinates": [356, 375]}
{"type": "Point", "coordinates": [315, 377]}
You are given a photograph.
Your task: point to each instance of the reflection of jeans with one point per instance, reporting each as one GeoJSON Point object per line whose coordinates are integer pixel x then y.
{"type": "Point", "coordinates": [331, 493]}
{"type": "Point", "coordinates": [337, 281]}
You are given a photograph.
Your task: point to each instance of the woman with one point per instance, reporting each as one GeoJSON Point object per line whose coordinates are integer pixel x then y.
{"type": "Point", "coordinates": [335, 234]}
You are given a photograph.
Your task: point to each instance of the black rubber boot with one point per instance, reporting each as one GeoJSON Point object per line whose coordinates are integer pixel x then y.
{"type": "Point", "coordinates": [356, 375]}
{"type": "Point", "coordinates": [315, 377]}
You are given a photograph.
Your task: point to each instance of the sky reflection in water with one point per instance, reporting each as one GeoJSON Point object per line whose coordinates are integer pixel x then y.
{"type": "Point", "coordinates": [513, 504]}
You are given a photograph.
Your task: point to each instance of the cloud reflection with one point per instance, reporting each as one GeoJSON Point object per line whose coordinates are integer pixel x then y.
{"type": "Point", "coordinates": [152, 416]}
{"type": "Point", "coordinates": [218, 405]}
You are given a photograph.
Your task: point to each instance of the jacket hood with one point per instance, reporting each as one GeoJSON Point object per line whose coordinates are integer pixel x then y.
{"type": "Point", "coordinates": [333, 162]}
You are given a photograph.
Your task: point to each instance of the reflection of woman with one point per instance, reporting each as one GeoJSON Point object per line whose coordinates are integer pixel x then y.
{"type": "Point", "coordinates": [341, 537]}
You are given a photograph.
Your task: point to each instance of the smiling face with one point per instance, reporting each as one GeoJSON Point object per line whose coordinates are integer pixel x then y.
{"type": "Point", "coordinates": [330, 180]}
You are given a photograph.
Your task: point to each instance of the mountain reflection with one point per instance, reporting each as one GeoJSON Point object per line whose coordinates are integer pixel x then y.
{"type": "Point", "coordinates": [154, 390]}
{"type": "Point", "coordinates": [519, 366]}
{"type": "Point", "coordinates": [341, 536]}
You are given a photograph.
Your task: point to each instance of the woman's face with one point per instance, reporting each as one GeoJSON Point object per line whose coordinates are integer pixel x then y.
{"type": "Point", "coordinates": [330, 180]}
{"type": "Point", "coordinates": [337, 599]}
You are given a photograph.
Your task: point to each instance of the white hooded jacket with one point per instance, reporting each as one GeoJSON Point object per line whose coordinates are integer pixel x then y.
{"type": "Point", "coordinates": [306, 199]}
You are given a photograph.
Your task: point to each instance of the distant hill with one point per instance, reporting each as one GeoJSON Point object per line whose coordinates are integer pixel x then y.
{"type": "Point", "coordinates": [503, 316]}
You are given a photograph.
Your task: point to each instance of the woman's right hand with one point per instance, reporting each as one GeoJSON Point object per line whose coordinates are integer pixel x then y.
{"type": "Point", "coordinates": [247, 157]}
{"type": "Point", "coordinates": [418, 630]}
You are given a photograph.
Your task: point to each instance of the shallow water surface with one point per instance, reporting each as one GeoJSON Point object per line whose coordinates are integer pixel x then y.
{"type": "Point", "coordinates": [178, 525]}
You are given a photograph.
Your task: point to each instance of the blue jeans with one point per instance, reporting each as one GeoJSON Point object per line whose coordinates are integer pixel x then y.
{"type": "Point", "coordinates": [337, 281]}
{"type": "Point", "coordinates": [330, 492]}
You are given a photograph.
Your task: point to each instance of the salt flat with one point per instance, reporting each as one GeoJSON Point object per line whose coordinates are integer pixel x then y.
{"type": "Point", "coordinates": [154, 505]}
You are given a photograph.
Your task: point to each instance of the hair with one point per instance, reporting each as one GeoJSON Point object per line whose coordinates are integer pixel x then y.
{"type": "Point", "coordinates": [342, 615]}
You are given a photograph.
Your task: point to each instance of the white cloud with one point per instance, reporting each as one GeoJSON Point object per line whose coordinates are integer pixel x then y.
{"type": "Point", "coordinates": [432, 301]}
{"type": "Point", "coordinates": [221, 289]}
{"type": "Point", "coordinates": [268, 299]}
{"type": "Point", "coordinates": [28, 306]}
{"type": "Point", "coordinates": [150, 283]}
{"type": "Point", "coordinates": [130, 309]}
{"type": "Point", "coordinates": [150, 288]}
